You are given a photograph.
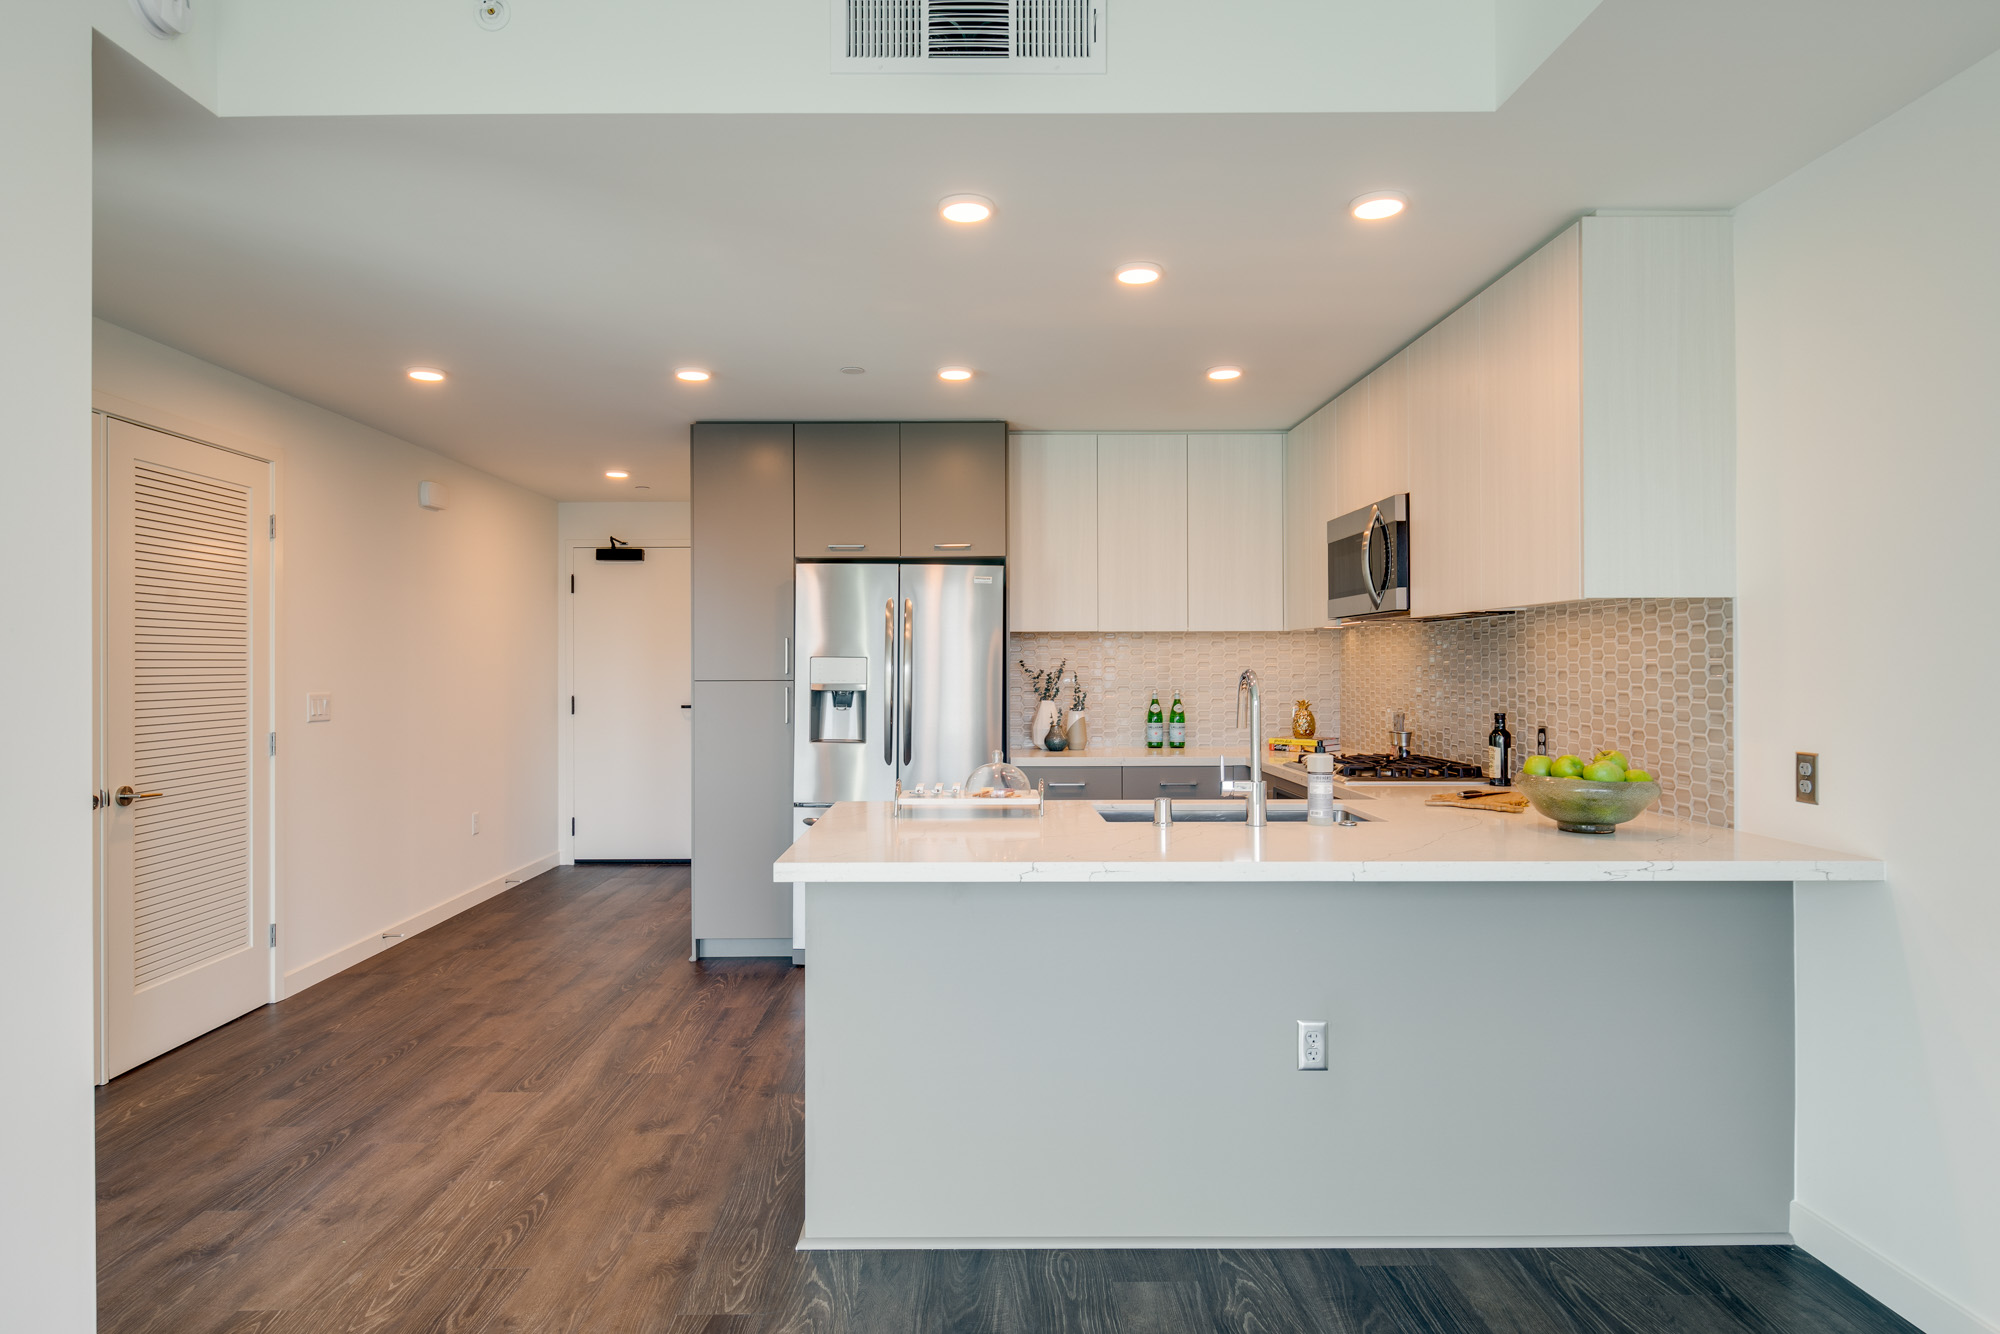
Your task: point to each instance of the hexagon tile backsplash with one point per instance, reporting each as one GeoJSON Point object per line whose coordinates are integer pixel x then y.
{"type": "Point", "coordinates": [1653, 677]}
{"type": "Point", "coordinates": [1122, 670]}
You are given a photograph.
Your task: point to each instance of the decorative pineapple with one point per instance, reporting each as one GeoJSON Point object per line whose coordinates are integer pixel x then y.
{"type": "Point", "coordinates": [1303, 722]}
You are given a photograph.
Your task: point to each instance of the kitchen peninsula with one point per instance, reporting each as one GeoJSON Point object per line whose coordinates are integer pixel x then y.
{"type": "Point", "coordinates": [1064, 1031]}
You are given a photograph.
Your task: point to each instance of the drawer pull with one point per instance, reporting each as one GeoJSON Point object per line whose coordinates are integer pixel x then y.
{"type": "Point", "coordinates": [951, 546]}
{"type": "Point", "coordinates": [1180, 785]}
{"type": "Point", "coordinates": [1053, 785]}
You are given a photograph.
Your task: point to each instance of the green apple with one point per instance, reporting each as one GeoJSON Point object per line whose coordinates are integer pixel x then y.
{"type": "Point", "coordinates": [1604, 771]}
{"type": "Point", "coordinates": [1536, 766]}
{"type": "Point", "coordinates": [1568, 766]}
{"type": "Point", "coordinates": [1637, 776]}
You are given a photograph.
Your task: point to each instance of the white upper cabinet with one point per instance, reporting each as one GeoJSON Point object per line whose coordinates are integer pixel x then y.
{"type": "Point", "coordinates": [1236, 540]}
{"type": "Point", "coordinates": [1052, 531]}
{"type": "Point", "coordinates": [1566, 434]}
{"type": "Point", "coordinates": [1147, 532]}
{"type": "Point", "coordinates": [1142, 532]}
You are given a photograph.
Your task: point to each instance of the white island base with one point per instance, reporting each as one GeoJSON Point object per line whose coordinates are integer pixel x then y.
{"type": "Point", "coordinates": [1112, 1061]}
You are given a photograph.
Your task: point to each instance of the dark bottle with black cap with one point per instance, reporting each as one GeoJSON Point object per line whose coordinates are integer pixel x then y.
{"type": "Point", "coordinates": [1500, 753]}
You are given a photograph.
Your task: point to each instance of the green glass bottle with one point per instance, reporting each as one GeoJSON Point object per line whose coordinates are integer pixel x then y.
{"type": "Point", "coordinates": [1177, 725]}
{"type": "Point", "coordinates": [1156, 725]}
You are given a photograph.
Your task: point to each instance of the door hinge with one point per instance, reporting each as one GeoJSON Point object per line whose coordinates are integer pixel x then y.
{"type": "Point", "coordinates": [274, 527]}
{"type": "Point", "coordinates": [572, 583]}
{"type": "Point", "coordinates": [274, 743]}
{"type": "Point", "coordinates": [572, 705]}
{"type": "Point", "coordinates": [572, 826]}
{"type": "Point", "coordinates": [274, 935]}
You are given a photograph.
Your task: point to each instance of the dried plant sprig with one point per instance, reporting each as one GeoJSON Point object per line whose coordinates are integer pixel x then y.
{"type": "Point", "coordinates": [1047, 685]}
{"type": "Point", "coordinates": [1077, 696]}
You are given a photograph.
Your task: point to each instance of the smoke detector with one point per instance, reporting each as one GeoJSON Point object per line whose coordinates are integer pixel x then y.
{"type": "Point", "coordinates": [167, 18]}
{"type": "Point", "coordinates": [968, 36]}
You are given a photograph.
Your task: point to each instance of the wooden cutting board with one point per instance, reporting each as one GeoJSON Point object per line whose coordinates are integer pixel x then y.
{"type": "Point", "coordinates": [1503, 800]}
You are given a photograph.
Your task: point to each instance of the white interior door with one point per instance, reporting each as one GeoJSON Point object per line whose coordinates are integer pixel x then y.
{"type": "Point", "coordinates": [186, 909]}
{"type": "Point", "coordinates": [632, 734]}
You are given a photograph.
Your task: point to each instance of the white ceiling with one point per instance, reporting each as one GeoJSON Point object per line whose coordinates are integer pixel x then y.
{"type": "Point", "coordinates": [559, 267]}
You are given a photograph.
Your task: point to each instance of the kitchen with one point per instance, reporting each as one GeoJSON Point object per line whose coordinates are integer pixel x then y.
{"type": "Point", "coordinates": [1129, 866]}
{"type": "Point", "coordinates": [1442, 392]}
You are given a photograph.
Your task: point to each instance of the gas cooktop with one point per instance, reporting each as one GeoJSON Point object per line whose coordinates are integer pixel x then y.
{"type": "Point", "coordinates": [1401, 769]}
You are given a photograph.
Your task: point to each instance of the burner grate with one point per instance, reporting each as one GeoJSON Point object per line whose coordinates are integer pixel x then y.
{"type": "Point", "coordinates": [1409, 767]}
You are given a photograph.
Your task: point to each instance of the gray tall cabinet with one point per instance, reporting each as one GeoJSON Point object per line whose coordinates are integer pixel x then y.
{"type": "Point", "coordinates": [765, 496]}
{"type": "Point", "coordinates": [742, 485]}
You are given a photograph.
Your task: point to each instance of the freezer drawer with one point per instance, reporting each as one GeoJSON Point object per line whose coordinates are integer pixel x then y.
{"type": "Point", "coordinates": [1143, 782]}
{"type": "Point", "coordinates": [1071, 782]}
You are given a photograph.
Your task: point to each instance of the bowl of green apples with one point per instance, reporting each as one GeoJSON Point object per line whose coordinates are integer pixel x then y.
{"type": "Point", "coordinates": [1591, 796]}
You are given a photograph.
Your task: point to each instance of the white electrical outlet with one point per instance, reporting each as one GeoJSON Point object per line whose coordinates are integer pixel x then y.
{"type": "Point", "coordinates": [475, 822]}
{"type": "Point", "coordinates": [1312, 1044]}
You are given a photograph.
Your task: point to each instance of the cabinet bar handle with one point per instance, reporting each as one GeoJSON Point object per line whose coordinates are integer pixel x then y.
{"type": "Point", "coordinates": [788, 706]}
{"type": "Point", "coordinates": [1179, 785]}
{"type": "Point", "coordinates": [847, 546]}
{"type": "Point", "coordinates": [1054, 785]}
{"type": "Point", "coordinates": [951, 546]}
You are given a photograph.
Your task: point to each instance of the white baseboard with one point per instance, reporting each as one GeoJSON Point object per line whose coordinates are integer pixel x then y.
{"type": "Point", "coordinates": [320, 969]}
{"type": "Point", "coordinates": [1279, 1243]}
{"type": "Point", "coordinates": [1882, 1278]}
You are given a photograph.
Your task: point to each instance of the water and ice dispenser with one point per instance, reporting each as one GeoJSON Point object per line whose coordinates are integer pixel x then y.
{"type": "Point", "coordinates": [839, 699]}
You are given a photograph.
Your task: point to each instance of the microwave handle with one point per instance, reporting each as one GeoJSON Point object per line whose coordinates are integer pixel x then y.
{"type": "Point", "coordinates": [1368, 556]}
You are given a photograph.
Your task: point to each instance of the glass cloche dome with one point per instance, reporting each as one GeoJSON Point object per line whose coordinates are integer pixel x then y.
{"type": "Point", "coordinates": [997, 778]}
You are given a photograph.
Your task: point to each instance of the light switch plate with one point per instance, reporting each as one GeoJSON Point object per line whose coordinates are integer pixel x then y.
{"type": "Point", "coordinates": [319, 708]}
{"type": "Point", "coordinates": [1806, 777]}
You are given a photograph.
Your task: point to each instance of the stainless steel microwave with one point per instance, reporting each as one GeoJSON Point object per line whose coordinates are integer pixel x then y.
{"type": "Point", "coordinates": [1368, 561]}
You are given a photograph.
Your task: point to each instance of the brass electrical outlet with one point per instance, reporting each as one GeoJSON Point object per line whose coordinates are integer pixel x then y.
{"type": "Point", "coordinates": [1807, 778]}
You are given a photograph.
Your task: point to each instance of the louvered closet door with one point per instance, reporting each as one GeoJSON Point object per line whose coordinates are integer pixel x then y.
{"type": "Point", "coordinates": [186, 666]}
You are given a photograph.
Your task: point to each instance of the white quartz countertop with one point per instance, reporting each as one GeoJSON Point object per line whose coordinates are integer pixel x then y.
{"type": "Point", "coordinates": [1126, 757]}
{"type": "Point", "coordinates": [1403, 840]}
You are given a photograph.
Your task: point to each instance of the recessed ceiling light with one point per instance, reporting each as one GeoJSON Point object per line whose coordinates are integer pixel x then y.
{"type": "Point", "coordinates": [426, 374]}
{"type": "Point", "coordinates": [1382, 204]}
{"type": "Point", "coordinates": [1138, 275]}
{"type": "Point", "coordinates": [965, 208]}
{"type": "Point", "coordinates": [955, 373]}
{"type": "Point", "coordinates": [692, 374]}
{"type": "Point", "coordinates": [854, 370]}
{"type": "Point", "coordinates": [617, 476]}
{"type": "Point", "coordinates": [1225, 372]}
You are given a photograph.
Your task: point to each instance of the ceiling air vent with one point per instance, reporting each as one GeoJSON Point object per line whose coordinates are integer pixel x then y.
{"type": "Point", "coordinates": [968, 36]}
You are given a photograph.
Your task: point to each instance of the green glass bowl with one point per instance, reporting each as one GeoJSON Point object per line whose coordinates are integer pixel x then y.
{"type": "Point", "coordinates": [1580, 806]}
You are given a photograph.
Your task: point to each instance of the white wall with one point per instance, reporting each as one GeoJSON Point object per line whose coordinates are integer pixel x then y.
{"type": "Point", "coordinates": [643, 523]}
{"type": "Point", "coordinates": [1868, 356]}
{"type": "Point", "coordinates": [433, 632]}
{"type": "Point", "coordinates": [47, 1230]}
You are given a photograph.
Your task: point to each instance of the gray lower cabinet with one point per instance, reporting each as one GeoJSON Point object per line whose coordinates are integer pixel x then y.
{"type": "Point", "coordinates": [954, 489]}
{"type": "Point", "coordinates": [1143, 782]}
{"type": "Point", "coordinates": [1076, 782]}
{"type": "Point", "coordinates": [741, 477]}
{"type": "Point", "coordinates": [849, 490]}
{"type": "Point", "coordinates": [742, 811]}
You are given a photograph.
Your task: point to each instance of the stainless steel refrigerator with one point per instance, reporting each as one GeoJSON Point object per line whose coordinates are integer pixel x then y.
{"type": "Point", "coordinates": [902, 677]}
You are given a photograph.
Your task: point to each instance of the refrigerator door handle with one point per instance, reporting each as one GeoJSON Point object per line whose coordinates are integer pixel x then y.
{"type": "Point", "coordinates": [909, 673]}
{"type": "Point", "coordinates": [889, 682]}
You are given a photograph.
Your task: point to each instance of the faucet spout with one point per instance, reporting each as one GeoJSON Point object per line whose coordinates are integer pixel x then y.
{"type": "Point", "coordinates": [1254, 792]}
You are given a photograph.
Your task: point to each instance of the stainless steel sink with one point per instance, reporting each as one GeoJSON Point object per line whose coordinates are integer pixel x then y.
{"type": "Point", "coordinates": [1214, 812]}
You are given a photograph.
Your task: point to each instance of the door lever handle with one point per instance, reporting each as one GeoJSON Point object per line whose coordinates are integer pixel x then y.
{"type": "Point", "coordinates": [127, 795]}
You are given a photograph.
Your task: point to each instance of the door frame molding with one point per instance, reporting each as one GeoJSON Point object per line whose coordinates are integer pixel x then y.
{"type": "Point", "coordinates": [104, 410]}
{"type": "Point", "coordinates": [566, 682]}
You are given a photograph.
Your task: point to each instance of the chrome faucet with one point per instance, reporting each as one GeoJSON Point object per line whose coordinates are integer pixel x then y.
{"type": "Point", "coordinates": [1253, 790]}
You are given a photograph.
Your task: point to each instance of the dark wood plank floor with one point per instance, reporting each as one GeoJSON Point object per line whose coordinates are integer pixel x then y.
{"type": "Point", "coordinates": [540, 1116]}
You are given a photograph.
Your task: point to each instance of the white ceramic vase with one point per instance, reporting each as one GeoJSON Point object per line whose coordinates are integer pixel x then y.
{"type": "Point", "coordinates": [1045, 714]}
